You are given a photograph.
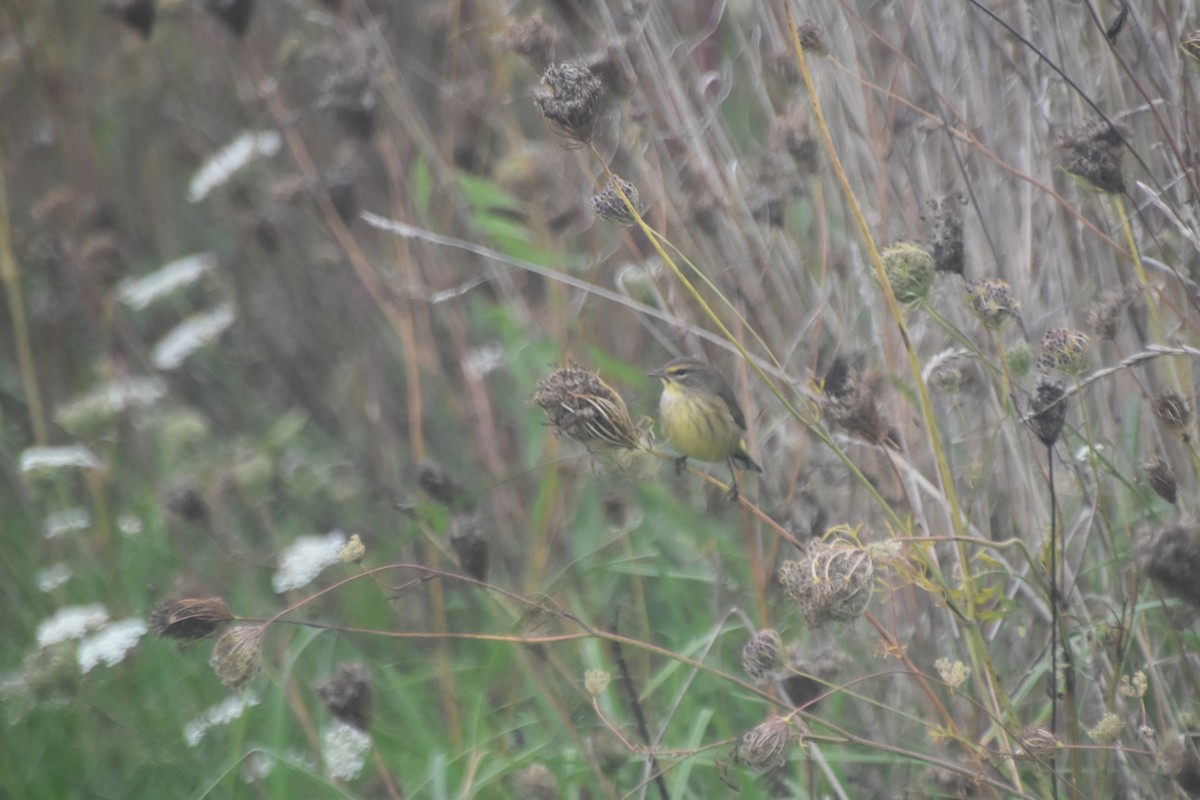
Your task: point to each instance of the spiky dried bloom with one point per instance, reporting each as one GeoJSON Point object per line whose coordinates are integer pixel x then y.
{"type": "Point", "coordinates": [1180, 762]}
{"type": "Point", "coordinates": [470, 544]}
{"type": "Point", "coordinates": [762, 654]}
{"type": "Point", "coordinates": [237, 655]}
{"type": "Point", "coordinates": [1189, 43]}
{"type": "Point", "coordinates": [1161, 477]}
{"type": "Point", "coordinates": [1105, 316]}
{"type": "Point", "coordinates": [236, 14]}
{"type": "Point", "coordinates": [611, 207]}
{"type": "Point", "coordinates": [850, 403]}
{"type": "Point", "coordinates": [596, 681]}
{"type": "Point", "coordinates": [831, 583]}
{"type": "Point", "coordinates": [350, 96]}
{"type": "Point", "coordinates": [532, 38]}
{"type": "Point", "coordinates": [992, 301]}
{"type": "Point", "coordinates": [1173, 412]}
{"type": "Point", "coordinates": [790, 133]}
{"type": "Point", "coordinates": [910, 270]}
{"type": "Point", "coordinates": [812, 38]}
{"type": "Point", "coordinates": [946, 241]}
{"type": "Point", "coordinates": [569, 97]}
{"type": "Point", "coordinates": [1047, 411]}
{"type": "Point", "coordinates": [439, 484]}
{"type": "Point", "coordinates": [190, 619]}
{"type": "Point", "coordinates": [137, 14]}
{"type": "Point", "coordinates": [584, 408]}
{"type": "Point", "coordinates": [765, 746]}
{"type": "Point", "coordinates": [1107, 729]}
{"type": "Point", "coordinates": [348, 695]}
{"type": "Point", "coordinates": [1092, 152]}
{"type": "Point", "coordinates": [1036, 743]}
{"type": "Point", "coordinates": [1065, 350]}
{"type": "Point", "coordinates": [1171, 558]}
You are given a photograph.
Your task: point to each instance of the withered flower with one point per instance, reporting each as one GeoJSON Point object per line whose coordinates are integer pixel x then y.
{"type": "Point", "coordinates": [831, 583]}
{"type": "Point", "coordinates": [765, 747]}
{"type": "Point", "coordinates": [1092, 153]}
{"type": "Point", "coordinates": [583, 407]}
{"type": "Point", "coordinates": [347, 694]}
{"type": "Point", "coordinates": [1065, 350]}
{"type": "Point", "coordinates": [762, 654]}
{"type": "Point", "coordinates": [1161, 477]}
{"type": "Point", "coordinates": [1173, 412]}
{"type": "Point", "coordinates": [237, 655]}
{"type": "Point", "coordinates": [569, 97]}
{"type": "Point", "coordinates": [1048, 411]}
{"type": "Point", "coordinates": [611, 207]}
{"type": "Point", "coordinates": [1171, 558]}
{"type": "Point", "coordinates": [470, 544]}
{"type": "Point", "coordinates": [992, 301]}
{"type": "Point", "coordinates": [190, 619]}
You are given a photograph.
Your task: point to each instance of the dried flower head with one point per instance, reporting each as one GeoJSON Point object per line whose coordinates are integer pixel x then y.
{"type": "Point", "coordinates": [137, 14]}
{"type": "Point", "coordinates": [190, 619]}
{"type": "Point", "coordinates": [609, 205]}
{"type": "Point", "coordinates": [831, 583]}
{"type": "Point", "coordinates": [812, 38]}
{"type": "Point", "coordinates": [236, 14]}
{"type": "Point", "coordinates": [1104, 317]}
{"type": "Point", "coordinates": [237, 655]}
{"type": "Point", "coordinates": [848, 400]}
{"type": "Point", "coordinates": [1189, 43]}
{"type": "Point", "coordinates": [1048, 411]}
{"type": "Point", "coordinates": [1180, 762]}
{"type": "Point", "coordinates": [569, 97]}
{"type": "Point", "coordinates": [1134, 686]}
{"type": "Point", "coordinates": [1173, 412]}
{"type": "Point", "coordinates": [1171, 558]}
{"type": "Point", "coordinates": [953, 673]}
{"type": "Point", "coordinates": [353, 551]}
{"type": "Point", "coordinates": [765, 747]}
{"type": "Point", "coordinates": [439, 484]}
{"type": "Point", "coordinates": [790, 133]}
{"type": "Point", "coordinates": [532, 38]}
{"type": "Point", "coordinates": [596, 681]}
{"type": "Point", "coordinates": [910, 270]}
{"type": "Point", "coordinates": [946, 241]}
{"type": "Point", "coordinates": [350, 96]}
{"type": "Point", "coordinates": [1161, 477]}
{"type": "Point", "coordinates": [1065, 350]}
{"type": "Point", "coordinates": [584, 408]}
{"type": "Point", "coordinates": [469, 541]}
{"type": "Point", "coordinates": [762, 654]}
{"type": "Point", "coordinates": [1036, 743]}
{"type": "Point", "coordinates": [1092, 152]}
{"type": "Point", "coordinates": [348, 695]}
{"type": "Point", "coordinates": [183, 499]}
{"type": "Point", "coordinates": [992, 301]}
{"type": "Point", "coordinates": [1107, 729]}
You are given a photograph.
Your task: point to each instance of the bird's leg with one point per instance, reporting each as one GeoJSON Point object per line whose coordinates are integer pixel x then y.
{"type": "Point", "coordinates": [680, 465]}
{"type": "Point", "coordinates": [734, 494]}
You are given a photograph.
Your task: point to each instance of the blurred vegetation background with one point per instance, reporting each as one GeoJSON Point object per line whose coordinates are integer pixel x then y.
{"type": "Point", "coordinates": [282, 274]}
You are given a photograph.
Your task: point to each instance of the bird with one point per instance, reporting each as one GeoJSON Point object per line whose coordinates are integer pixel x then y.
{"type": "Point", "coordinates": [701, 418]}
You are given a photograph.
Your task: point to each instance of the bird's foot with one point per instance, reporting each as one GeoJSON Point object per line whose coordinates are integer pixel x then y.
{"type": "Point", "coordinates": [680, 465]}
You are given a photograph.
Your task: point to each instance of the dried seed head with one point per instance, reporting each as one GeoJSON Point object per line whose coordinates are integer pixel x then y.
{"type": "Point", "coordinates": [1180, 762]}
{"type": "Point", "coordinates": [1036, 743]}
{"type": "Point", "coordinates": [347, 694]}
{"type": "Point", "coordinates": [531, 37]}
{"type": "Point", "coordinates": [1189, 43]}
{"type": "Point", "coordinates": [470, 544]}
{"type": "Point", "coordinates": [1161, 477]}
{"type": "Point", "coordinates": [1065, 350]}
{"type": "Point", "coordinates": [569, 97]}
{"type": "Point", "coordinates": [596, 681]}
{"type": "Point", "coordinates": [1092, 152]}
{"type": "Point", "coordinates": [946, 241]}
{"type": "Point", "coordinates": [1173, 412]}
{"type": "Point", "coordinates": [190, 619]}
{"type": "Point", "coordinates": [237, 655]}
{"type": "Point", "coordinates": [762, 654]}
{"type": "Point", "coordinates": [992, 301]}
{"type": "Point", "coordinates": [910, 270]}
{"type": "Point", "coordinates": [610, 206]}
{"type": "Point", "coordinates": [812, 38]}
{"type": "Point", "coordinates": [1048, 411]}
{"type": "Point", "coordinates": [236, 14]}
{"type": "Point", "coordinates": [350, 96]}
{"type": "Point", "coordinates": [584, 408]}
{"type": "Point", "coordinates": [765, 747]}
{"type": "Point", "coordinates": [137, 14]}
{"type": "Point", "coordinates": [1104, 317]}
{"type": "Point", "coordinates": [849, 401]}
{"type": "Point", "coordinates": [1107, 729]}
{"type": "Point", "coordinates": [438, 484]}
{"type": "Point", "coordinates": [1172, 560]}
{"type": "Point", "coordinates": [831, 583]}
{"type": "Point", "coordinates": [790, 134]}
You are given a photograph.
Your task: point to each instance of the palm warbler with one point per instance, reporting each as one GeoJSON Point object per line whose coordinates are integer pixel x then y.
{"type": "Point", "coordinates": [700, 417]}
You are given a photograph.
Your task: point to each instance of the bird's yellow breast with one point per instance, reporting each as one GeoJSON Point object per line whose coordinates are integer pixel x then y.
{"type": "Point", "coordinates": [698, 427]}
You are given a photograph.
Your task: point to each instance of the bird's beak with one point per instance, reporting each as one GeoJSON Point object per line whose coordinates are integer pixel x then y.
{"type": "Point", "coordinates": [657, 373]}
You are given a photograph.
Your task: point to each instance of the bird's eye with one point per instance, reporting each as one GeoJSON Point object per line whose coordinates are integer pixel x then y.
{"type": "Point", "coordinates": [680, 372]}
